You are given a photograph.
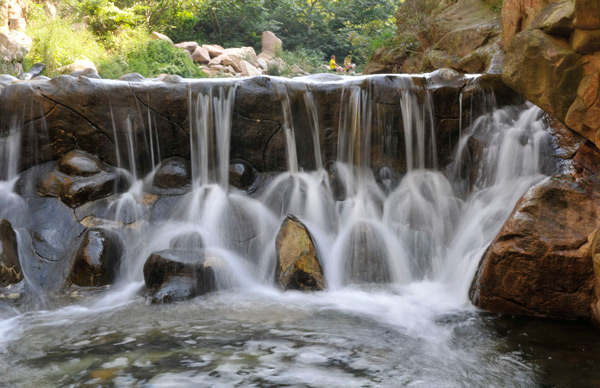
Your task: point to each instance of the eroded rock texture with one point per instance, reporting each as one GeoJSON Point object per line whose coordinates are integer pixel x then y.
{"type": "Point", "coordinates": [540, 263]}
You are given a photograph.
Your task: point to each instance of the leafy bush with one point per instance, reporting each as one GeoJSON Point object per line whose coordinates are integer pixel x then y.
{"type": "Point", "coordinates": [154, 58]}
{"type": "Point", "coordinates": [308, 60]}
{"type": "Point", "coordinates": [57, 44]}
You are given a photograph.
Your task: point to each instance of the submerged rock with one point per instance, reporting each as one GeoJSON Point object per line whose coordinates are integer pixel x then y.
{"type": "Point", "coordinates": [298, 266]}
{"type": "Point", "coordinates": [540, 263]}
{"type": "Point", "coordinates": [189, 241]}
{"type": "Point", "coordinates": [10, 268]}
{"type": "Point", "coordinates": [173, 176]}
{"type": "Point", "coordinates": [241, 174]}
{"type": "Point", "coordinates": [80, 163]}
{"type": "Point", "coordinates": [176, 274]}
{"type": "Point", "coordinates": [98, 258]}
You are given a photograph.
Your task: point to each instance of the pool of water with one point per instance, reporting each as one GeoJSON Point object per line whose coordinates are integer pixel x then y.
{"type": "Point", "coordinates": [412, 336]}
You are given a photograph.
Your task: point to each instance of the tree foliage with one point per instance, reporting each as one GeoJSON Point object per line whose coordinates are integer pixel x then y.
{"type": "Point", "coordinates": [338, 27]}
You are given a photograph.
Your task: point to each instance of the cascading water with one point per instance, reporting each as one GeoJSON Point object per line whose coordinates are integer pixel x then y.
{"type": "Point", "coordinates": [398, 248]}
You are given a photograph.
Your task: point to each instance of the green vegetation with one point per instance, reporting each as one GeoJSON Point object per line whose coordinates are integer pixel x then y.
{"type": "Point", "coordinates": [114, 34]}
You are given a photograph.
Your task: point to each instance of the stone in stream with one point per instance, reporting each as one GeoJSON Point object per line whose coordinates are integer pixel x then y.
{"type": "Point", "coordinates": [10, 268]}
{"type": "Point", "coordinates": [80, 163]}
{"type": "Point", "coordinates": [365, 260]}
{"type": "Point", "coordinates": [241, 174]}
{"type": "Point", "coordinates": [540, 262]}
{"type": "Point", "coordinates": [189, 241]}
{"type": "Point", "coordinates": [298, 266]}
{"type": "Point", "coordinates": [176, 274]}
{"type": "Point", "coordinates": [172, 177]}
{"type": "Point", "coordinates": [98, 258]}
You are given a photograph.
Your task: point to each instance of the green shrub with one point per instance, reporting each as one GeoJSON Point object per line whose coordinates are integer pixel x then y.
{"type": "Point", "coordinates": [56, 44]}
{"type": "Point", "coordinates": [151, 59]}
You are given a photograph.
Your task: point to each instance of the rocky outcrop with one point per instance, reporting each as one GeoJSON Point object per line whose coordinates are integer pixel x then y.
{"type": "Point", "coordinates": [464, 35]}
{"type": "Point", "coordinates": [298, 266]}
{"type": "Point", "coordinates": [77, 117]}
{"type": "Point", "coordinates": [14, 46]}
{"type": "Point", "coordinates": [540, 263]}
{"type": "Point", "coordinates": [175, 274]}
{"type": "Point", "coordinates": [97, 259]}
{"type": "Point", "coordinates": [10, 268]}
{"type": "Point", "coordinates": [517, 15]}
{"type": "Point", "coordinates": [555, 63]}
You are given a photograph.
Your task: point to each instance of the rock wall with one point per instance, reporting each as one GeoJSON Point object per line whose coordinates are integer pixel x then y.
{"type": "Point", "coordinates": [555, 63]}
{"type": "Point", "coordinates": [12, 9]}
{"type": "Point", "coordinates": [464, 35]}
{"type": "Point", "coordinates": [541, 261]}
{"type": "Point", "coordinates": [93, 115]}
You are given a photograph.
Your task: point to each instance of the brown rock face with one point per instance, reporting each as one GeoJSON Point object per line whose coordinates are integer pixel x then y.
{"type": "Point", "coordinates": [540, 263]}
{"type": "Point", "coordinates": [10, 268]}
{"type": "Point", "coordinates": [544, 70]}
{"type": "Point", "coordinates": [587, 14]}
{"type": "Point", "coordinates": [298, 266]}
{"type": "Point", "coordinates": [517, 15]}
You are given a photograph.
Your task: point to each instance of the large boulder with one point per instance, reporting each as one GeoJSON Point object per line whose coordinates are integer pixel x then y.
{"type": "Point", "coordinates": [173, 176]}
{"type": "Point", "coordinates": [540, 263]}
{"type": "Point", "coordinates": [298, 266]}
{"type": "Point", "coordinates": [14, 46]}
{"type": "Point", "coordinates": [158, 36]}
{"type": "Point", "coordinates": [176, 274]}
{"type": "Point", "coordinates": [97, 259]}
{"type": "Point", "coordinates": [187, 46]}
{"type": "Point", "coordinates": [587, 14]}
{"type": "Point", "coordinates": [271, 44]}
{"type": "Point", "coordinates": [517, 15]}
{"type": "Point", "coordinates": [214, 50]}
{"type": "Point", "coordinates": [543, 69]}
{"type": "Point", "coordinates": [10, 267]}
{"type": "Point", "coordinates": [201, 55]}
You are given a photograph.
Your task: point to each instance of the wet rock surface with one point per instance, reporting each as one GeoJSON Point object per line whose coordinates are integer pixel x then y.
{"type": "Point", "coordinates": [173, 176]}
{"type": "Point", "coordinates": [540, 263]}
{"type": "Point", "coordinates": [298, 266]}
{"type": "Point", "coordinates": [10, 267]}
{"type": "Point", "coordinates": [177, 274]}
{"type": "Point", "coordinates": [97, 259]}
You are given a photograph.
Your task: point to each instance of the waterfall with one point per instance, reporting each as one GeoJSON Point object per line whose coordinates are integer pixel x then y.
{"type": "Point", "coordinates": [398, 228]}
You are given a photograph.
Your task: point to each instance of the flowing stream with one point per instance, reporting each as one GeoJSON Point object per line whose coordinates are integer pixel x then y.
{"type": "Point", "coordinates": [399, 252]}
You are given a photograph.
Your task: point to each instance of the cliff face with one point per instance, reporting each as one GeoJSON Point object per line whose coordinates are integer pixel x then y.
{"type": "Point", "coordinates": [463, 35]}
{"type": "Point", "coordinates": [544, 261]}
{"type": "Point", "coordinates": [12, 9]}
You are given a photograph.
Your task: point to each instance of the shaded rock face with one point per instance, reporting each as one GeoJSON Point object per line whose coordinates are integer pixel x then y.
{"type": "Point", "coordinates": [173, 173]}
{"type": "Point", "coordinates": [540, 263]}
{"type": "Point", "coordinates": [78, 177]}
{"type": "Point", "coordinates": [10, 268]}
{"type": "Point", "coordinates": [97, 259]}
{"type": "Point", "coordinates": [298, 266]}
{"type": "Point", "coordinates": [555, 63]}
{"type": "Point", "coordinates": [517, 15]}
{"type": "Point", "coordinates": [77, 118]}
{"type": "Point", "coordinates": [176, 274]}
{"type": "Point", "coordinates": [464, 35]}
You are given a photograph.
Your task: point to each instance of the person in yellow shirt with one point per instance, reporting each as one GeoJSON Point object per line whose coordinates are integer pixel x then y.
{"type": "Point", "coordinates": [332, 65]}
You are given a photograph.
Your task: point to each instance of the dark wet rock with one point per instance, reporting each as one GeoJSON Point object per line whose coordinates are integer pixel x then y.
{"type": "Point", "coordinates": [10, 267]}
{"type": "Point", "coordinates": [35, 70]}
{"type": "Point", "coordinates": [46, 181]}
{"type": "Point", "coordinates": [188, 241]}
{"type": "Point", "coordinates": [53, 228]}
{"type": "Point", "coordinates": [298, 266]}
{"type": "Point", "coordinates": [176, 289]}
{"type": "Point", "coordinates": [172, 173]}
{"type": "Point", "coordinates": [98, 258]}
{"type": "Point", "coordinates": [163, 266]}
{"type": "Point", "coordinates": [241, 174]}
{"type": "Point", "coordinates": [365, 256]}
{"type": "Point", "coordinates": [165, 207]}
{"type": "Point", "coordinates": [540, 263]}
{"type": "Point", "coordinates": [80, 163]}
